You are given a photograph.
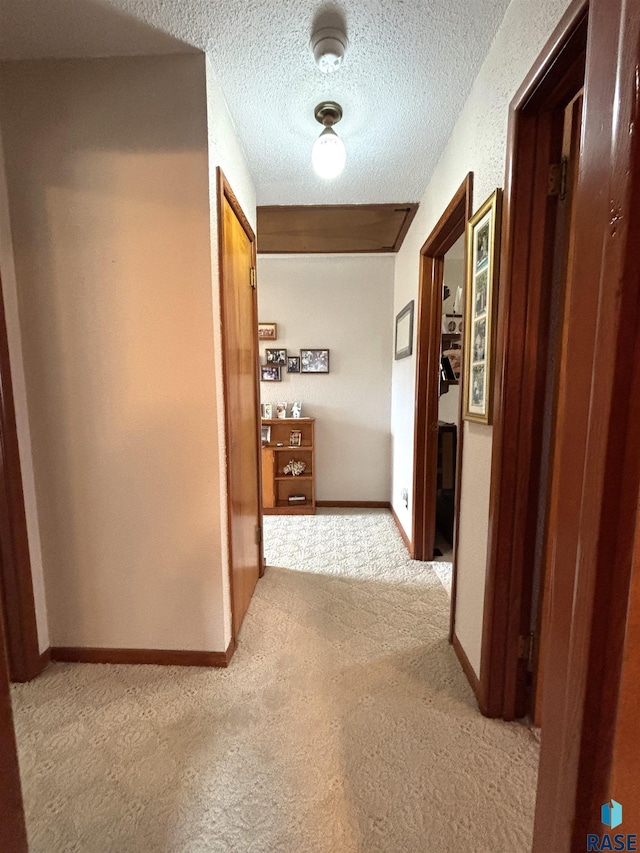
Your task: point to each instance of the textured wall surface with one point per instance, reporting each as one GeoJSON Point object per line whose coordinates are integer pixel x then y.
{"type": "Point", "coordinates": [478, 144]}
{"type": "Point", "coordinates": [407, 72]}
{"type": "Point", "coordinates": [342, 304]}
{"type": "Point", "coordinates": [107, 170]}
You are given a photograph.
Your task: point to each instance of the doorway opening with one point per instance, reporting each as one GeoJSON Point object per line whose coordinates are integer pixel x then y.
{"type": "Point", "coordinates": [438, 447]}
{"type": "Point", "coordinates": [449, 412]}
{"type": "Point", "coordinates": [325, 341]}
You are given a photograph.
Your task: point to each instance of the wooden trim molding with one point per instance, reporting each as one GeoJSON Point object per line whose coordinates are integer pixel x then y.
{"type": "Point", "coordinates": [13, 833]}
{"type": "Point", "coordinates": [596, 472]}
{"type": "Point", "coordinates": [401, 531]}
{"type": "Point", "coordinates": [225, 191]}
{"type": "Point", "coordinates": [154, 657]}
{"type": "Point", "coordinates": [468, 670]}
{"type": "Point", "coordinates": [356, 504]}
{"type": "Point", "coordinates": [16, 586]}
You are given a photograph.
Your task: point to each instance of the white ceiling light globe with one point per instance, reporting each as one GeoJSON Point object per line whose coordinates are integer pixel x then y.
{"type": "Point", "coordinates": [329, 62]}
{"type": "Point", "coordinates": [329, 154]}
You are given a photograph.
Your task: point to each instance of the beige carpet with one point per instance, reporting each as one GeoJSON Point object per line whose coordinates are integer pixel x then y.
{"type": "Point", "coordinates": [343, 724]}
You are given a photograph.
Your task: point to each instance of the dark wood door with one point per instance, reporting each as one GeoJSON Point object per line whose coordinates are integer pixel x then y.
{"type": "Point", "coordinates": [239, 319]}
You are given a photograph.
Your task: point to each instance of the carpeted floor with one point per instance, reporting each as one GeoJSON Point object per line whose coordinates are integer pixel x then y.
{"type": "Point", "coordinates": [343, 725]}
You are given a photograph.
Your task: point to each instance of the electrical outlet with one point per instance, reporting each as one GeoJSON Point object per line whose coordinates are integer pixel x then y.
{"type": "Point", "coordinates": [404, 494]}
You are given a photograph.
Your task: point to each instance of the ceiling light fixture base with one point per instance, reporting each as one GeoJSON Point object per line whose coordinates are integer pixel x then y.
{"type": "Point", "coordinates": [329, 45]}
{"type": "Point", "coordinates": [328, 113]}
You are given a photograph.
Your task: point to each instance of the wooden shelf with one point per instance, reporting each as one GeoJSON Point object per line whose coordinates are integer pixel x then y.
{"type": "Point", "coordinates": [295, 509]}
{"type": "Point", "coordinates": [291, 479]}
{"type": "Point", "coordinates": [450, 338]}
{"type": "Point", "coordinates": [287, 420]}
{"type": "Point", "coordinates": [289, 447]}
{"type": "Point", "coordinates": [276, 486]}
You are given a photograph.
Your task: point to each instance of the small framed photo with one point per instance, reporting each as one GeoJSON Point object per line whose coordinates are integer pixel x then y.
{"type": "Point", "coordinates": [404, 332]}
{"type": "Point", "coordinates": [293, 364]}
{"type": "Point", "coordinates": [295, 439]}
{"type": "Point", "coordinates": [267, 331]}
{"type": "Point", "coordinates": [266, 434]}
{"type": "Point", "coordinates": [296, 409]}
{"type": "Point", "coordinates": [270, 373]}
{"type": "Point", "coordinates": [276, 356]}
{"type": "Point", "coordinates": [267, 411]}
{"type": "Point", "coordinates": [483, 253]}
{"type": "Point", "coordinates": [314, 361]}
{"type": "Point", "coordinates": [281, 410]}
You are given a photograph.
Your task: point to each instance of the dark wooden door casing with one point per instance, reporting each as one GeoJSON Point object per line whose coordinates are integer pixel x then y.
{"type": "Point", "coordinates": [16, 585]}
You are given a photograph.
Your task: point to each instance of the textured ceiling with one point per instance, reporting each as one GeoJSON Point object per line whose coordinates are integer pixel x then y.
{"type": "Point", "coordinates": [406, 75]}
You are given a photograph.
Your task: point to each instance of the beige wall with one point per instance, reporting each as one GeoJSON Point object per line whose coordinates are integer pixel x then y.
{"type": "Point", "coordinates": [108, 177]}
{"type": "Point", "coordinates": [342, 304]}
{"type": "Point", "coordinates": [477, 144]}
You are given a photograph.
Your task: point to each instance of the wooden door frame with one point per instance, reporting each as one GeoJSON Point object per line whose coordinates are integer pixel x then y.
{"type": "Point", "coordinates": [597, 466]}
{"type": "Point", "coordinates": [595, 478]}
{"type": "Point", "coordinates": [16, 584]}
{"type": "Point", "coordinates": [450, 227]}
{"type": "Point", "coordinates": [13, 833]}
{"type": "Point", "coordinates": [521, 350]}
{"type": "Point", "coordinates": [225, 193]}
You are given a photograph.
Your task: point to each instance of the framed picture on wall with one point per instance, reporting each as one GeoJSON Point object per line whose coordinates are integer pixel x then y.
{"type": "Point", "coordinates": [314, 361]}
{"type": "Point", "coordinates": [276, 356]}
{"type": "Point", "coordinates": [293, 364]}
{"type": "Point", "coordinates": [404, 332]}
{"type": "Point", "coordinates": [483, 254]}
{"type": "Point", "coordinates": [270, 373]}
{"type": "Point", "coordinates": [268, 331]}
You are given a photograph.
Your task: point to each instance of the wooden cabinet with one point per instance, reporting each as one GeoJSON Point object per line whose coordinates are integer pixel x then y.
{"type": "Point", "coordinates": [278, 450]}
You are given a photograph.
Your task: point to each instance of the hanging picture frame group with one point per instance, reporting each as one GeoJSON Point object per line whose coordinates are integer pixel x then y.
{"type": "Point", "coordinates": [483, 253]}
